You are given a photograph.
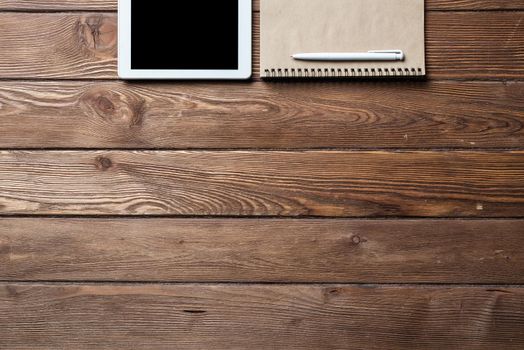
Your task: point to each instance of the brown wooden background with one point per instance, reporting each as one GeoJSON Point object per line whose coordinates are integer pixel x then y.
{"type": "Point", "coordinates": [252, 215]}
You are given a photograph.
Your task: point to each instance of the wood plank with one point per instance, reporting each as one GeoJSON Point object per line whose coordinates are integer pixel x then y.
{"type": "Point", "coordinates": [314, 183]}
{"type": "Point", "coordinates": [194, 115]}
{"type": "Point", "coordinates": [58, 5]}
{"type": "Point", "coordinates": [246, 250]}
{"type": "Point", "coordinates": [460, 45]}
{"type": "Point", "coordinates": [111, 5]}
{"type": "Point", "coordinates": [51, 45]}
{"type": "Point", "coordinates": [451, 5]}
{"type": "Point", "coordinates": [37, 316]}
{"type": "Point", "coordinates": [475, 45]}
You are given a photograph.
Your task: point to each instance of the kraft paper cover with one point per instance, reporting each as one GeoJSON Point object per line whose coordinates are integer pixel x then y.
{"type": "Point", "coordinates": [298, 26]}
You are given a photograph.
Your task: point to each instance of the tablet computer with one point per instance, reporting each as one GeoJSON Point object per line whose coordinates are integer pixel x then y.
{"type": "Point", "coordinates": [184, 39]}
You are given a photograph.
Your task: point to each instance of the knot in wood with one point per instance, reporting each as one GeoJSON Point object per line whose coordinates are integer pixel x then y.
{"type": "Point", "coordinates": [113, 106]}
{"type": "Point", "coordinates": [97, 36]}
{"type": "Point", "coordinates": [104, 104]}
{"type": "Point", "coordinates": [103, 163]}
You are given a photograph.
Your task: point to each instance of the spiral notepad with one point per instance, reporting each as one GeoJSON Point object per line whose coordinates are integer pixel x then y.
{"type": "Point", "coordinates": [296, 26]}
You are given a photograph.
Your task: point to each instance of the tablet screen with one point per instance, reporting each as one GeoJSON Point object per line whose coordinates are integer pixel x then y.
{"type": "Point", "coordinates": [184, 34]}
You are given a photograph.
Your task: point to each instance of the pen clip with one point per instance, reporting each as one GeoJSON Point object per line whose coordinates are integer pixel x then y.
{"type": "Point", "coordinates": [399, 54]}
{"type": "Point", "coordinates": [387, 51]}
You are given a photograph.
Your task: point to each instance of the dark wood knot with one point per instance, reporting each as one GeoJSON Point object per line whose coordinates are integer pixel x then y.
{"type": "Point", "coordinates": [97, 36]}
{"type": "Point", "coordinates": [116, 107]}
{"type": "Point", "coordinates": [105, 104]}
{"type": "Point", "coordinates": [103, 163]}
{"type": "Point", "coordinates": [356, 240]}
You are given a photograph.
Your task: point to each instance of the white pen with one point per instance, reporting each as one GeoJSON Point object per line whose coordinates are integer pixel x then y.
{"type": "Point", "coordinates": [379, 55]}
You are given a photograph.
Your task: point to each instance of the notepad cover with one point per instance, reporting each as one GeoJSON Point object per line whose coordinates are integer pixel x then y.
{"type": "Point", "coordinates": [304, 26]}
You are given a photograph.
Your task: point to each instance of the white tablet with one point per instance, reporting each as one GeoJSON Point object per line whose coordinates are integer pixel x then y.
{"type": "Point", "coordinates": [184, 39]}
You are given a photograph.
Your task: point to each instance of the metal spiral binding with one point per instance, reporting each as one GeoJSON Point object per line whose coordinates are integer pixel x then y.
{"type": "Point", "coordinates": [341, 73]}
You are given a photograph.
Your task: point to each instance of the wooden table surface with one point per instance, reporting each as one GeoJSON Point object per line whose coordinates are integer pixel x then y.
{"type": "Point", "coordinates": [253, 215]}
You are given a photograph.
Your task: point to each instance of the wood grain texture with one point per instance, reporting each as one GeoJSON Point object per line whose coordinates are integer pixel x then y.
{"type": "Point", "coordinates": [246, 250]}
{"type": "Point", "coordinates": [460, 45]}
{"type": "Point", "coordinates": [59, 5]}
{"type": "Point", "coordinates": [474, 5]}
{"type": "Point", "coordinates": [111, 5]}
{"type": "Point", "coordinates": [315, 183]}
{"type": "Point", "coordinates": [258, 115]}
{"type": "Point", "coordinates": [469, 44]}
{"type": "Point", "coordinates": [50, 45]}
{"type": "Point", "coordinates": [475, 45]}
{"type": "Point", "coordinates": [259, 317]}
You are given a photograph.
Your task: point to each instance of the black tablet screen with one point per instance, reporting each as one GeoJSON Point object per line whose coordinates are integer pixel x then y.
{"type": "Point", "coordinates": [184, 34]}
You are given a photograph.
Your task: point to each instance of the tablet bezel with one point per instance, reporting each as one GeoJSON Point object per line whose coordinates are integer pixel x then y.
{"type": "Point", "coordinates": [244, 50]}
